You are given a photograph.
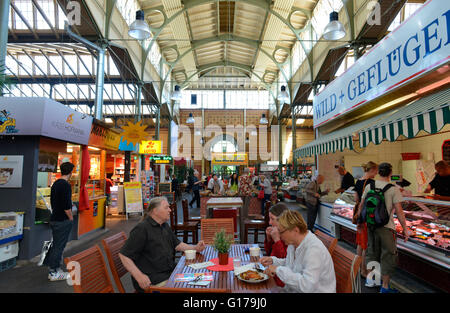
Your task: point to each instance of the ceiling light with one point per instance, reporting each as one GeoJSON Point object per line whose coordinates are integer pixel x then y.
{"type": "Point", "coordinates": [176, 94]}
{"type": "Point", "coordinates": [190, 119]}
{"type": "Point", "coordinates": [109, 120]}
{"type": "Point", "coordinates": [139, 28]}
{"type": "Point", "coordinates": [283, 96]}
{"type": "Point", "coordinates": [300, 121]}
{"type": "Point", "coordinates": [334, 30]}
{"type": "Point", "coordinates": [197, 132]}
{"type": "Point", "coordinates": [93, 148]}
{"type": "Point", "coordinates": [154, 120]}
{"type": "Point", "coordinates": [263, 119]}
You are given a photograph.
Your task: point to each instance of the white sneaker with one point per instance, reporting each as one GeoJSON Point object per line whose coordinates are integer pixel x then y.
{"type": "Point", "coordinates": [57, 276]}
{"type": "Point", "coordinates": [371, 283]}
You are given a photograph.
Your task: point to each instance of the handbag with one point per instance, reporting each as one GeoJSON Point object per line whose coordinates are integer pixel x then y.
{"type": "Point", "coordinates": [261, 193]}
{"type": "Point", "coordinates": [355, 209]}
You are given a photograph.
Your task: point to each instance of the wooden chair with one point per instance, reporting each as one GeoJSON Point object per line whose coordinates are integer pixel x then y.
{"type": "Point", "coordinates": [112, 246]}
{"type": "Point", "coordinates": [328, 241]}
{"type": "Point", "coordinates": [188, 228]}
{"type": "Point", "coordinates": [185, 206]}
{"type": "Point", "coordinates": [184, 290]}
{"type": "Point", "coordinates": [257, 225]}
{"type": "Point", "coordinates": [210, 226]}
{"type": "Point", "coordinates": [93, 273]}
{"type": "Point", "coordinates": [343, 261]}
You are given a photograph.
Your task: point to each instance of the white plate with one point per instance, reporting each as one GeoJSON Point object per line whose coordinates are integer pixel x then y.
{"type": "Point", "coordinates": [266, 277]}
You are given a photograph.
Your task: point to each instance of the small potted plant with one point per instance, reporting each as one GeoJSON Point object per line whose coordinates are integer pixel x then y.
{"type": "Point", "coordinates": [222, 243]}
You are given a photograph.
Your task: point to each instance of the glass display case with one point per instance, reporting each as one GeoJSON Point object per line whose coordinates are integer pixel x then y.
{"type": "Point", "coordinates": [95, 188]}
{"type": "Point", "coordinates": [428, 223]}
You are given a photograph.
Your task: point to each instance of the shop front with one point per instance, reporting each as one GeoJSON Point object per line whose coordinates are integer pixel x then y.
{"type": "Point", "coordinates": [375, 113]}
{"type": "Point", "coordinates": [38, 143]}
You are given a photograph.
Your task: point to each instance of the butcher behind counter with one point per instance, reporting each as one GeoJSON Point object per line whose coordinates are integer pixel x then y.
{"type": "Point", "coordinates": [440, 182]}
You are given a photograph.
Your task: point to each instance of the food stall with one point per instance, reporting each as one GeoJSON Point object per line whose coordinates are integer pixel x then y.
{"type": "Point", "coordinates": [373, 113]}
{"type": "Point", "coordinates": [36, 144]}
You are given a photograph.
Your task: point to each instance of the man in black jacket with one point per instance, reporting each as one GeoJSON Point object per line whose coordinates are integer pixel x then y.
{"type": "Point", "coordinates": [61, 222]}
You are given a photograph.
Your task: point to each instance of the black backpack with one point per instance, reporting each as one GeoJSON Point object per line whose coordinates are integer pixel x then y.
{"type": "Point", "coordinates": [374, 211]}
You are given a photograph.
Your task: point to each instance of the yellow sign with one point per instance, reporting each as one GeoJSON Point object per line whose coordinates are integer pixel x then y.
{"type": "Point", "coordinates": [134, 133]}
{"type": "Point", "coordinates": [150, 147]}
{"type": "Point", "coordinates": [133, 197]}
{"type": "Point", "coordinates": [229, 158]}
{"type": "Point", "coordinates": [104, 138]}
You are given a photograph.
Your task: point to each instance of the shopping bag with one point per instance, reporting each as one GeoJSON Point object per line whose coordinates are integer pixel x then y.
{"type": "Point", "coordinates": [261, 194]}
{"type": "Point", "coordinates": [45, 249]}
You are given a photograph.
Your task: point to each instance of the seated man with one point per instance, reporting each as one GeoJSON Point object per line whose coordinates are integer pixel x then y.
{"type": "Point", "coordinates": [149, 252]}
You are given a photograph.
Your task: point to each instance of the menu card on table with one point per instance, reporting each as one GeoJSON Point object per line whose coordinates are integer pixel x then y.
{"type": "Point", "coordinates": [187, 277]}
{"type": "Point", "coordinates": [198, 266]}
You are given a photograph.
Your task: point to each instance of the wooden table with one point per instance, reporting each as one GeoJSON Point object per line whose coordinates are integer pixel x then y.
{"type": "Point", "coordinates": [222, 280]}
{"type": "Point", "coordinates": [228, 202]}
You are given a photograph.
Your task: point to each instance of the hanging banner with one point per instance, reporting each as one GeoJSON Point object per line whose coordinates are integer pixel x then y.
{"type": "Point", "coordinates": [104, 138]}
{"type": "Point", "coordinates": [162, 159]}
{"type": "Point", "coordinates": [419, 45]}
{"type": "Point", "coordinates": [227, 158]}
{"type": "Point", "coordinates": [133, 197]}
{"type": "Point", "coordinates": [150, 147]}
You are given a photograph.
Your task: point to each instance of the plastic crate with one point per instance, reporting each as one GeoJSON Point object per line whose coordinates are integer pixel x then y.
{"type": "Point", "coordinates": [410, 156]}
{"type": "Point", "coordinates": [6, 265]}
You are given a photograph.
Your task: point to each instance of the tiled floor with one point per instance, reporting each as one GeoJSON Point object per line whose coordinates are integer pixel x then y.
{"type": "Point", "coordinates": [27, 277]}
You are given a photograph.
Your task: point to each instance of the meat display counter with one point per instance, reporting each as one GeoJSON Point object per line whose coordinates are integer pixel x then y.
{"type": "Point", "coordinates": [428, 222]}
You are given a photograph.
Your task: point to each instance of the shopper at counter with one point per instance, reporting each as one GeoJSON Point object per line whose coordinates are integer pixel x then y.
{"type": "Point", "coordinates": [313, 193]}
{"type": "Point", "coordinates": [370, 171]}
{"type": "Point", "coordinates": [267, 186]}
{"type": "Point", "coordinates": [347, 180]}
{"type": "Point", "coordinates": [233, 184]}
{"type": "Point", "coordinates": [216, 185]}
{"type": "Point", "coordinates": [441, 182]}
{"type": "Point", "coordinates": [61, 222]}
{"type": "Point", "coordinates": [382, 243]}
{"type": "Point", "coordinates": [308, 266]}
{"type": "Point", "coordinates": [273, 245]}
{"type": "Point", "coordinates": [149, 252]}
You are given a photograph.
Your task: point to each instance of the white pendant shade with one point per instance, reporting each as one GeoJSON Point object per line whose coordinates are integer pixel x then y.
{"type": "Point", "coordinates": [334, 30]}
{"type": "Point", "coordinates": [139, 28]}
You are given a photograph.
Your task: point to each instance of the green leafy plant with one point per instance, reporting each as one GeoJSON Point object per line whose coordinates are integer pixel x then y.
{"type": "Point", "coordinates": [222, 241]}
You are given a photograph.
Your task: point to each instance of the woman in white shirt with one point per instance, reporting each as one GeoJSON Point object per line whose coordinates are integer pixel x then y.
{"type": "Point", "coordinates": [308, 266]}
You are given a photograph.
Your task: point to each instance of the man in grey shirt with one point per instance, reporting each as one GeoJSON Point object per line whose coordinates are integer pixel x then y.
{"type": "Point", "coordinates": [313, 193]}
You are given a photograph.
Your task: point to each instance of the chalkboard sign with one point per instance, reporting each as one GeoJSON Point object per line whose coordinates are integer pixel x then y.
{"type": "Point", "coordinates": [169, 195]}
{"type": "Point", "coordinates": [164, 187]}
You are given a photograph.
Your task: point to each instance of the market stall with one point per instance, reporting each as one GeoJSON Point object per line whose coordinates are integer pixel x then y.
{"type": "Point", "coordinates": [372, 113]}
{"type": "Point", "coordinates": [34, 145]}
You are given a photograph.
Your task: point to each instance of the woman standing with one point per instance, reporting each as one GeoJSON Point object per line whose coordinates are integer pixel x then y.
{"type": "Point", "coordinates": [267, 186]}
{"type": "Point", "coordinates": [308, 266]}
{"type": "Point", "coordinates": [370, 171]}
{"type": "Point", "coordinates": [273, 245]}
{"type": "Point", "coordinates": [233, 184]}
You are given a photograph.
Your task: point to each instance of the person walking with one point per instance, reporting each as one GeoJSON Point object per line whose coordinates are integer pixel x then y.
{"type": "Point", "coordinates": [382, 242]}
{"type": "Point", "coordinates": [196, 189]}
{"type": "Point", "coordinates": [370, 171]}
{"type": "Point", "coordinates": [313, 193]}
{"type": "Point", "coordinates": [245, 191]}
{"type": "Point", "coordinates": [61, 222]}
{"type": "Point", "coordinates": [267, 187]}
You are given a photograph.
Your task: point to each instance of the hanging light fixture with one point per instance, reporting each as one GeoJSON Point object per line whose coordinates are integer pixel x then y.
{"type": "Point", "coordinates": [190, 119]}
{"type": "Point", "coordinates": [300, 121]}
{"type": "Point", "coordinates": [283, 96]}
{"type": "Point", "coordinates": [139, 28]}
{"type": "Point", "coordinates": [176, 94]}
{"type": "Point", "coordinates": [263, 119]}
{"type": "Point", "coordinates": [334, 30]}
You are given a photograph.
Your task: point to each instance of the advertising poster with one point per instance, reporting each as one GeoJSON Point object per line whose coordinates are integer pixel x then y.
{"type": "Point", "coordinates": [11, 169]}
{"type": "Point", "coordinates": [133, 197]}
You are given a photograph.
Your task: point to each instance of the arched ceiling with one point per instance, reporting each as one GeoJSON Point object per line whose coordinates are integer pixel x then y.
{"type": "Point", "coordinates": [219, 23]}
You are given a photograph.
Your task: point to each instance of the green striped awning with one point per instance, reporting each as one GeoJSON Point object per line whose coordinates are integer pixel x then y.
{"type": "Point", "coordinates": [429, 114]}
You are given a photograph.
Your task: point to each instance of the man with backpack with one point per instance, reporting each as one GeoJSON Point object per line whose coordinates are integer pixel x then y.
{"type": "Point", "coordinates": [379, 202]}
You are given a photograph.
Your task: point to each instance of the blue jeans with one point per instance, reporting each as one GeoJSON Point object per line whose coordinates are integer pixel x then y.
{"type": "Point", "coordinates": [263, 203]}
{"type": "Point", "coordinates": [61, 232]}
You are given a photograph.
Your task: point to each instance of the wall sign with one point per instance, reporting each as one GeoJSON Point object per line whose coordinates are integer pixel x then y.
{"type": "Point", "coordinates": [161, 159]}
{"type": "Point", "coordinates": [103, 137]}
{"type": "Point", "coordinates": [419, 45]}
{"type": "Point", "coordinates": [43, 117]}
{"type": "Point", "coordinates": [229, 158]}
{"type": "Point", "coordinates": [150, 147]}
{"type": "Point", "coordinates": [11, 170]}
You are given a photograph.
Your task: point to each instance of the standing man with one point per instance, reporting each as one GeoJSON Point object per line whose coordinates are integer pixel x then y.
{"type": "Point", "coordinates": [245, 190]}
{"type": "Point", "coordinates": [149, 252]}
{"type": "Point", "coordinates": [441, 182]}
{"type": "Point", "coordinates": [382, 242]}
{"type": "Point", "coordinates": [61, 222]}
{"type": "Point", "coordinates": [196, 189]}
{"type": "Point", "coordinates": [347, 180]}
{"type": "Point", "coordinates": [313, 194]}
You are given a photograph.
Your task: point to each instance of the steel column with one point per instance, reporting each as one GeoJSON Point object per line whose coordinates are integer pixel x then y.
{"type": "Point", "coordinates": [99, 85]}
{"type": "Point", "coordinates": [4, 18]}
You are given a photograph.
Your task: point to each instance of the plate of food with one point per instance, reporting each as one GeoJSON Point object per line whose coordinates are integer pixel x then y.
{"type": "Point", "coordinates": [252, 276]}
